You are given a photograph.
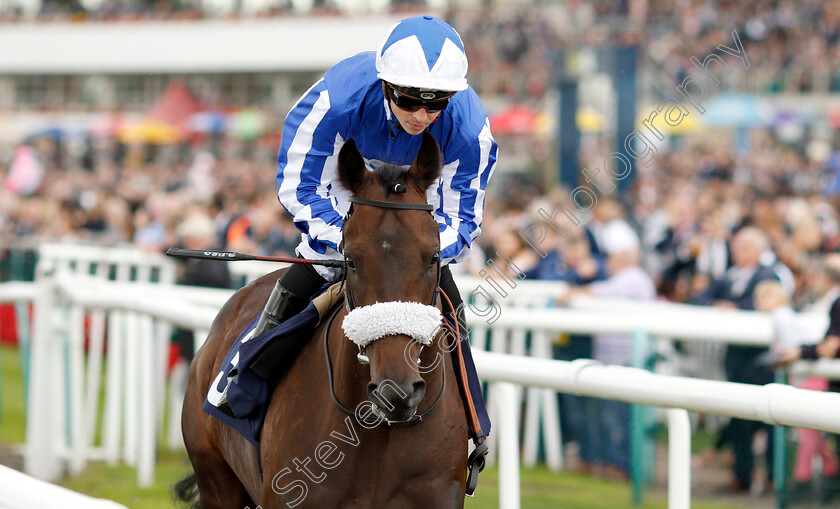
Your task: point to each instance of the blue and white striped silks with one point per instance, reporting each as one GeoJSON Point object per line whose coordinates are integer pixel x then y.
{"type": "Point", "coordinates": [348, 103]}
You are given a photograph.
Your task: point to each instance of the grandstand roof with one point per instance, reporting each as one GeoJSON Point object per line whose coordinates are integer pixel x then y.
{"type": "Point", "coordinates": [254, 45]}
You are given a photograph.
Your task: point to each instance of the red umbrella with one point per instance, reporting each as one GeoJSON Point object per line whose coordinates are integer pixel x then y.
{"type": "Point", "coordinates": [175, 106]}
{"type": "Point", "coordinates": [516, 119]}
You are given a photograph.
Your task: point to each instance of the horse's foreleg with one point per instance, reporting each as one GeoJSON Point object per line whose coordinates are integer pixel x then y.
{"type": "Point", "coordinates": [218, 485]}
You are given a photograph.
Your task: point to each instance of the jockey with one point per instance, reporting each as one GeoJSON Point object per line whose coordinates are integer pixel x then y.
{"type": "Point", "coordinates": [415, 82]}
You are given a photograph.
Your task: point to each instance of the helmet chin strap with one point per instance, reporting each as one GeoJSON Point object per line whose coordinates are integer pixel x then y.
{"type": "Point", "coordinates": [394, 126]}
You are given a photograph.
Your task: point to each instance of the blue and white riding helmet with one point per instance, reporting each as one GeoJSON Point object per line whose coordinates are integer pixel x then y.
{"type": "Point", "coordinates": [423, 52]}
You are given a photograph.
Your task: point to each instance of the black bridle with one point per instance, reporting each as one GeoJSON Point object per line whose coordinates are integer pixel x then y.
{"type": "Point", "coordinates": [350, 302]}
{"type": "Point", "coordinates": [349, 297]}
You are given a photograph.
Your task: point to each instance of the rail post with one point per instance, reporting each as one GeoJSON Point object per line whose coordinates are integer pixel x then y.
{"type": "Point", "coordinates": [508, 445]}
{"type": "Point", "coordinates": [679, 459]}
{"type": "Point", "coordinates": [43, 423]}
{"type": "Point", "coordinates": [641, 446]}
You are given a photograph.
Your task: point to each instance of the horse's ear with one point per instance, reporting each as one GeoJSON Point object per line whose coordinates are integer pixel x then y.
{"type": "Point", "coordinates": [351, 166]}
{"type": "Point", "coordinates": [426, 168]}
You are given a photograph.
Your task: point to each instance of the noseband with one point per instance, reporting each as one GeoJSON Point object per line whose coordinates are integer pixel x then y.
{"type": "Point", "coordinates": [350, 301]}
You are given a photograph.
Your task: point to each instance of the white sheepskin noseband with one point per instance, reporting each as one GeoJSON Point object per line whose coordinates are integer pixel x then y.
{"type": "Point", "coordinates": [366, 324]}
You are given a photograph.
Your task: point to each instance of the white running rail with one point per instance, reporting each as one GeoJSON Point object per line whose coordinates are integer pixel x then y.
{"type": "Point", "coordinates": [20, 491]}
{"type": "Point", "coordinates": [773, 403]}
{"type": "Point", "coordinates": [145, 310]}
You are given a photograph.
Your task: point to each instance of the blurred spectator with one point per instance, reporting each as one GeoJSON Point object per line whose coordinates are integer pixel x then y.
{"type": "Point", "coordinates": [200, 180]}
{"type": "Point", "coordinates": [627, 280]}
{"type": "Point", "coordinates": [572, 262]}
{"type": "Point", "coordinates": [509, 244]}
{"type": "Point", "coordinates": [608, 216]}
{"type": "Point", "coordinates": [789, 334]}
{"type": "Point", "coordinates": [26, 172]}
{"type": "Point", "coordinates": [149, 231]}
{"type": "Point", "coordinates": [742, 363]}
{"type": "Point", "coordinates": [264, 229]}
{"type": "Point", "coordinates": [198, 232]}
{"type": "Point", "coordinates": [828, 347]}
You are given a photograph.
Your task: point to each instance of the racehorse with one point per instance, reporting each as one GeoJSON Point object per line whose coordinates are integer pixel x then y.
{"type": "Point", "coordinates": [405, 451]}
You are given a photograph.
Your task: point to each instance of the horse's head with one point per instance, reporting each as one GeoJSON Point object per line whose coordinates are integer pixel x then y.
{"type": "Point", "coordinates": [393, 261]}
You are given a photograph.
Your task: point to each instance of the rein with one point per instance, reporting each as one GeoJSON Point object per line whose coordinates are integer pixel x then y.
{"type": "Point", "coordinates": [477, 459]}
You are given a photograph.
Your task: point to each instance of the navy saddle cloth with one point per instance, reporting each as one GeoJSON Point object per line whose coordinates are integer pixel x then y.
{"type": "Point", "coordinates": [250, 390]}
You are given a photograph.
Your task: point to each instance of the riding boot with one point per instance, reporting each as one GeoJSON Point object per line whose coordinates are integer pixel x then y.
{"type": "Point", "coordinates": [290, 295]}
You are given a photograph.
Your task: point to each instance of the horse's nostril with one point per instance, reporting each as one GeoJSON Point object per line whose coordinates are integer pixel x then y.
{"type": "Point", "coordinates": [419, 386]}
{"type": "Point", "coordinates": [371, 388]}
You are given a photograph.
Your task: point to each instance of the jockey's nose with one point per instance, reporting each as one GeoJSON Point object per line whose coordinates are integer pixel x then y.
{"type": "Point", "coordinates": [421, 115]}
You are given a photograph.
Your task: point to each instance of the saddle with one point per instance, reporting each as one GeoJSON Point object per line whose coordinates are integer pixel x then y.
{"type": "Point", "coordinates": [254, 365]}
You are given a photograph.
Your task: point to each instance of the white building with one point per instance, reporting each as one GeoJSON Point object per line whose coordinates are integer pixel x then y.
{"type": "Point", "coordinates": [263, 62]}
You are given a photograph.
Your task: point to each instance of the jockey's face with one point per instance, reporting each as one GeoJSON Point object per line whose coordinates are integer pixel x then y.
{"type": "Point", "coordinates": [413, 122]}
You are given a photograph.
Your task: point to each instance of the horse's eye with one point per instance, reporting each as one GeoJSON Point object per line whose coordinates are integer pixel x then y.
{"type": "Point", "coordinates": [351, 265]}
{"type": "Point", "coordinates": [435, 260]}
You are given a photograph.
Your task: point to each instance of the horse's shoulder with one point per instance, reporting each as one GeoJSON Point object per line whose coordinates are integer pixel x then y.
{"type": "Point", "coordinates": [232, 318]}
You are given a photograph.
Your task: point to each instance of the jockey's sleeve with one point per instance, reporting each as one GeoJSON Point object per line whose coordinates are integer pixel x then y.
{"type": "Point", "coordinates": [306, 164]}
{"type": "Point", "coordinates": [461, 192]}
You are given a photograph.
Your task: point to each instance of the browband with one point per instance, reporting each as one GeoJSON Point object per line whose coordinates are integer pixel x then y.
{"type": "Point", "coordinates": [391, 204]}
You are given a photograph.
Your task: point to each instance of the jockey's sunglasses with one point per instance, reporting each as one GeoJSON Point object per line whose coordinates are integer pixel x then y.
{"type": "Point", "coordinates": [410, 103]}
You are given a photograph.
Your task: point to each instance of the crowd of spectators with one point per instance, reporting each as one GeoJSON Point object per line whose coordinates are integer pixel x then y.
{"type": "Point", "coordinates": [709, 225]}
{"type": "Point", "coordinates": [685, 207]}
{"type": "Point", "coordinates": [793, 46]}
{"type": "Point", "coordinates": [123, 199]}
{"type": "Point", "coordinates": [704, 224]}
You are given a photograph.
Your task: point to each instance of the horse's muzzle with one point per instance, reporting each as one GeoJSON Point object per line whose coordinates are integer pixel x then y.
{"type": "Point", "coordinates": [397, 402]}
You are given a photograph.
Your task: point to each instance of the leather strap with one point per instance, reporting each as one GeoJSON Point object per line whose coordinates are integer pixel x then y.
{"type": "Point", "coordinates": [477, 459]}
{"type": "Point", "coordinates": [414, 419]}
{"type": "Point", "coordinates": [391, 204]}
{"type": "Point", "coordinates": [475, 425]}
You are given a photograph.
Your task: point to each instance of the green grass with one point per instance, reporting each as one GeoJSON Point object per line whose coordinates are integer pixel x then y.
{"type": "Point", "coordinates": [543, 489]}
{"type": "Point", "coordinates": [540, 487]}
{"type": "Point", "coordinates": [12, 411]}
{"type": "Point", "coordinates": [119, 483]}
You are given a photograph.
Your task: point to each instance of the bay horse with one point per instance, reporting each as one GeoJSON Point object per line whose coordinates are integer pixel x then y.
{"type": "Point", "coordinates": [312, 453]}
